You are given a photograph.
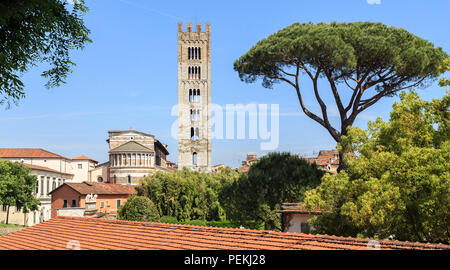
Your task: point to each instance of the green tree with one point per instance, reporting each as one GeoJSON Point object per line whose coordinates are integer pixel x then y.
{"type": "Point", "coordinates": [33, 31]}
{"type": "Point", "coordinates": [444, 81]}
{"type": "Point", "coordinates": [274, 179]}
{"type": "Point", "coordinates": [368, 60]}
{"type": "Point", "coordinates": [17, 187]}
{"type": "Point", "coordinates": [187, 195]}
{"type": "Point", "coordinates": [138, 208]}
{"type": "Point", "coordinates": [399, 185]}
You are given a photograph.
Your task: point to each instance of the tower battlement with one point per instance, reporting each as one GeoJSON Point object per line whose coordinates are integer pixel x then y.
{"type": "Point", "coordinates": [198, 28]}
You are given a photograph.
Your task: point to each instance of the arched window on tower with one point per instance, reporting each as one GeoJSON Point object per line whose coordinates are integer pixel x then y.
{"type": "Point", "coordinates": [198, 95]}
{"type": "Point", "coordinates": [197, 134]}
{"type": "Point", "coordinates": [194, 159]}
{"type": "Point", "coordinates": [192, 114]}
{"type": "Point", "coordinates": [189, 52]}
{"type": "Point", "coordinates": [199, 54]}
{"type": "Point", "coordinates": [192, 133]}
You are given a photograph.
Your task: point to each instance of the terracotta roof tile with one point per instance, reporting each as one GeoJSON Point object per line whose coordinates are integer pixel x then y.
{"type": "Point", "coordinates": [102, 234]}
{"type": "Point", "coordinates": [99, 188]}
{"type": "Point", "coordinates": [27, 153]}
{"type": "Point", "coordinates": [297, 208]}
{"type": "Point", "coordinates": [83, 157]}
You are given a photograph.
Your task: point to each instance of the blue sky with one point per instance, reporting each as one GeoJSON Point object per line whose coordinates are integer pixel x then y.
{"type": "Point", "coordinates": [128, 76]}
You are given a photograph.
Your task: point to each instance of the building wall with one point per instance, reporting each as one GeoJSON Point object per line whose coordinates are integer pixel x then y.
{"type": "Point", "coordinates": [116, 139]}
{"type": "Point", "coordinates": [101, 171]}
{"type": "Point", "coordinates": [120, 175]}
{"type": "Point", "coordinates": [292, 221]}
{"type": "Point", "coordinates": [83, 174]}
{"type": "Point", "coordinates": [104, 203]}
{"type": "Point", "coordinates": [186, 146]}
{"type": "Point", "coordinates": [59, 164]}
{"type": "Point", "coordinates": [64, 193]}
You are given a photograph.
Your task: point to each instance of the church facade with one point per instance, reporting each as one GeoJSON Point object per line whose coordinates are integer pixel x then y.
{"type": "Point", "coordinates": [133, 155]}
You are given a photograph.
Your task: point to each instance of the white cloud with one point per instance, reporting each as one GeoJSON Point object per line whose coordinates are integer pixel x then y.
{"type": "Point", "coordinates": [376, 2]}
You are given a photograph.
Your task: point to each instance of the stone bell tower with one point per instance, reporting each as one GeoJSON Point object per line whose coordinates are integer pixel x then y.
{"type": "Point", "coordinates": [194, 97]}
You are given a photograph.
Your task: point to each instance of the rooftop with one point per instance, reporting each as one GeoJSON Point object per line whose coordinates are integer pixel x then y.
{"type": "Point", "coordinates": [85, 188]}
{"type": "Point", "coordinates": [27, 153]}
{"type": "Point", "coordinates": [102, 234]}
{"type": "Point", "coordinates": [83, 157]}
{"type": "Point", "coordinates": [297, 208]}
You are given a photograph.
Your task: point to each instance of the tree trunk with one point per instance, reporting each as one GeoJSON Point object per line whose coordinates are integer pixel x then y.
{"type": "Point", "coordinates": [342, 164]}
{"type": "Point", "coordinates": [7, 215]}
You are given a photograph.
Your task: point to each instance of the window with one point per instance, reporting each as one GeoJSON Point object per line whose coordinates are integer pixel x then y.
{"type": "Point", "coordinates": [114, 179]}
{"type": "Point", "coordinates": [48, 185]}
{"type": "Point", "coordinates": [118, 204]}
{"type": "Point", "coordinates": [74, 203]}
{"type": "Point", "coordinates": [99, 179]}
{"type": "Point", "coordinates": [194, 158]}
{"type": "Point", "coordinates": [129, 179]}
{"type": "Point", "coordinates": [37, 187]}
{"type": "Point", "coordinates": [194, 95]}
{"type": "Point", "coordinates": [80, 166]}
{"type": "Point", "coordinates": [54, 184]}
{"type": "Point", "coordinates": [102, 205]}
{"type": "Point", "coordinates": [4, 208]}
{"type": "Point", "coordinates": [197, 134]}
{"type": "Point", "coordinates": [194, 73]}
{"type": "Point", "coordinates": [194, 53]}
{"type": "Point", "coordinates": [65, 204]}
{"type": "Point", "coordinates": [42, 185]}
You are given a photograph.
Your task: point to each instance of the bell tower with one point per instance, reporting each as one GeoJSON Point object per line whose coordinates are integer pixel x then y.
{"type": "Point", "coordinates": [194, 97]}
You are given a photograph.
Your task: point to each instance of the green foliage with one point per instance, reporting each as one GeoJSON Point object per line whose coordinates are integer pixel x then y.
{"type": "Point", "coordinates": [399, 185]}
{"type": "Point", "coordinates": [370, 60]}
{"type": "Point", "coordinates": [210, 223]}
{"type": "Point", "coordinates": [444, 81]}
{"type": "Point", "coordinates": [138, 208]}
{"type": "Point", "coordinates": [33, 31]}
{"type": "Point", "coordinates": [17, 186]}
{"type": "Point", "coordinates": [187, 195]}
{"type": "Point", "coordinates": [344, 48]}
{"type": "Point", "coordinates": [274, 179]}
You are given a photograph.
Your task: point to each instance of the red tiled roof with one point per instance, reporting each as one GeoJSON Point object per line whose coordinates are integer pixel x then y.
{"type": "Point", "coordinates": [42, 168]}
{"type": "Point", "coordinates": [99, 188]}
{"type": "Point", "coordinates": [102, 234]}
{"type": "Point", "coordinates": [297, 208]}
{"type": "Point", "coordinates": [83, 157]}
{"type": "Point", "coordinates": [27, 153]}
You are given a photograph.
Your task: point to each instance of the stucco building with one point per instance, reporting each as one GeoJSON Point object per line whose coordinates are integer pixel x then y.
{"type": "Point", "coordinates": [106, 198]}
{"type": "Point", "coordinates": [52, 170]}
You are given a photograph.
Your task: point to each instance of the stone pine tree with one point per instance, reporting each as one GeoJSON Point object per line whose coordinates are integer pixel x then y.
{"type": "Point", "coordinates": [35, 31]}
{"type": "Point", "coordinates": [361, 62]}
